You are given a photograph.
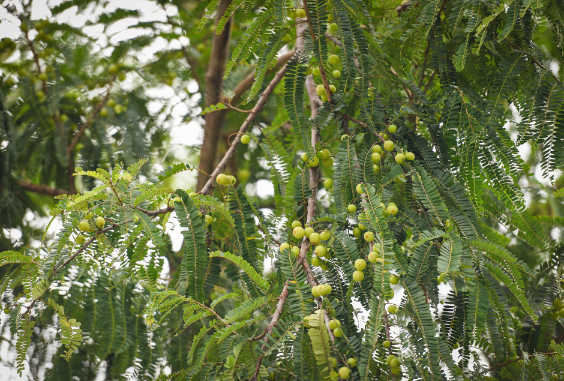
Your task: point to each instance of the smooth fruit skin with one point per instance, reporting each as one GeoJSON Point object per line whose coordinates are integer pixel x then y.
{"type": "Point", "coordinates": [344, 373]}
{"type": "Point", "coordinates": [392, 309]}
{"type": "Point", "coordinates": [392, 128]}
{"type": "Point", "coordinates": [209, 219]}
{"type": "Point", "coordinates": [327, 163]}
{"type": "Point", "coordinates": [389, 145]}
{"type": "Point", "coordinates": [376, 168]}
{"type": "Point", "coordinates": [336, 74]}
{"type": "Point", "coordinates": [392, 209]}
{"type": "Point", "coordinates": [320, 90]}
{"type": "Point", "coordinates": [360, 264]}
{"type": "Point", "coordinates": [334, 324]}
{"type": "Point", "coordinates": [315, 261]}
{"type": "Point", "coordinates": [351, 208]}
{"type": "Point", "coordinates": [308, 231]}
{"type": "Point", "coordinates": [245, 139]}
{"type": "Point", "coordinates": [315, 238]}
{"type": "Point", "coordinates": [410, 156]}
{"type": "Point", "coordinates": [89, 216]}
{"type": "Point", "coordinates": [394, 363]}
{"type": "Point", "coordinates": [113, 69]}
{"type": "Point", "coordinates": [389, 359]}
{"type": "Point", "coordinates": [358, 276]}
{"type": "Point", "coordinates": [352, 362]}
{"type": "Point", "coordinates": [325, 235]}
{"type": "Point", "coordinates": [386, 344]}
{"type": "Point", "coordinates": [316, 72]}
{"type": "Point", "coordinates": [84, 226]}
{"type": "Point", "coordinates": [324, 98]}
{"type": "Point", "coordinates": [222, 179]}
{"type": "Point", "coordinates": [400, 158]}
{"type": "Point", "coordinates": [314, 292]}
{"type": "Point", "coordinates": [300, 12]}
{"type": "Point", "coordinates": [295, 251]}
{"type": "Point", "coordinates": [295, 224]}
{"type": "Point", "coordinates": [375, 158]}
{"type": "Point", "coordinates": [356, 232]}
{"type": "Point", "coordinates": [394, 279]}
{"type": "Point", "coordinates": [372, 257]}
{"type": "Point", "coordinates": [359, 188]}
{"type": "Point", "coordinates": [304, 157]}
{"type": "Point", "coordinates": [369, 236]}
{"type": "Point", "coordinates": [328, 183]}
{"type": "Point", "coordinates": [80, 239]}
{"type": "Point", "coordinates": [332, 88]}
{"type": "Point", "coordinates": [325, 154]}
{"type": "Point", "coordinates": [100, 222]}
{"type": "Point", "coordinates": [284, 246]}
{"type": "Point", "coordinates": [314, 162]}
{"type": "Point", "coordinates": [298, 232]}
{"type": "Point", "coordinates": [320, 251]}
{"type": "Point", "coordinates": [337, 332]}
{"type": "Point", "coordinates": [376, 148]}
{"type": "Point", "coordinates": [333, 28]}
{"type": "Point", "coordinates": [334, 59]}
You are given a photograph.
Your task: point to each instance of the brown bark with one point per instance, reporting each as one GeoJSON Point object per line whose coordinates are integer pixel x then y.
{"type": "Point", "coordinates": [42, 189]}
{"type": "Point", "coordinates": [214, 92]}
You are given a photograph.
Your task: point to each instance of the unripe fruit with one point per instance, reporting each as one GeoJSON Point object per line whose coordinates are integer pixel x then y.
{"type": "Point", "coordinates": [400, 158]}
{"type": "Point", "coordinates": [327, 162]}
{"type": "Point", "coordinates": [293, 15]}
{"type": "Point", "coordinates": [222, 179]}
{"type": "Point", "coordinates": [113, 69]}
{"type": "Point", "coordinates": [389, 359]}
{"type": "Point", "coordinates": [389, 295]}
{"type": "Point", "coordinates": [369, 236]}
{"type": "Point", "coordinates": [385, 136]}
{"type": "Point", "coordinates": [245, 139]}
{"type": "Point", "coordinates": [395, 371]}
{"type": "Point", "coordinates": [376, 168]}
{"type": "Point", "coordinates": [100, 222]}
{"type": "Point", "coordinates": [326, 289]}
{"type": "Point", "coordinates": [122, 77]}
{"type": "Point", "coordinates": [320, 251]}
{"type": "Point", "coordinates": [333, 361]}
{"type": "Point", "coordinates": [392, 128]}
{"type": "Point", "coordinates": [295, 251]}
{"type": "Point", "coordinates": [358, 276]}
{"type": "Point", "coordinates": [336, 74]}
{"type": "Point", "coordinates": [330, 17]}
{"type": "Point", "coordinates": [84, 226]}
{"type": "Point", "coordinates": [7, 310]}
{"type": "Point", "coordinates": [315, 261]}
{"type": "Point", "coordinates": [356, 232]}
{"type": "Point", "coordinates": [375, 158]}
{"type": "Point", "coordinates": [360, 264]}
{"type": "Point", "coordinates": [352, 362]}
{"type": "Point", "coordinates": [337, 332]}
{"type": "Point", "coordinates": [394, 363]}
{"type": "Point", "coordinates": [298, 232]}
{"type": "Point", "coordinates": [325, 154]}
{"type": "Point", "coordinates": [308, 231]}
{"type": "Point", "coordinates": [314, 162]}
{"type": "Point", "coordinates": [295, 224]}
{"type": "Point", "coordinates": [209, 219]}
{"type": "Point", "coordinates": [334, 59]}
{"type": "Point", "coordinates": [325, 235]}
{"type": "Point", "coordinates": [344, 372]}
{"type": "Point", "coordinates": [320, 90]}
{"type": "Point", "coordinates": [359, 188]}
{"type": "Point", "coordinates": [372, 257]}
{"type": "Point", "coordinates": [389, 145]}
{"type": "Point", "coordinates": [80, 239]}
{"type": "Point", "coordinates": [42, 77]}
{"type": "Point", "coordinates": [284, 246]}
{"type": "Point", "coordinates": [386, 344]}
{"type": "Point", "coordinates": [394, 279]}
{"type": "Point", "coordinates": [392, 209]}
{"type": "Point", "coordinates": [333, 28]}
{"type": "Point", "coordinates": [351, 208]}
{"type": "Point", "coordinates": [361, 227]}
{"type": "Point", "coordinates": [316, 72]}
{"type": "Point", "coordinates": [304, 157]}
{"type": "Point", "coordinates": [334, 324]}
{"type": "Point", "coordinates": [345, 136]}
{"type": "Point", "coordinates": [332, 88]}
{"type": "Point", "coordinates": [315, 238]}
{"type": "Point", "coordinates": [328, 183]}
{"type": "Point", "coordinates": [40, 95]}
{"type": "Point", "coordinates": [561, 312]}
{"type": "Point", "coordinates": [410, 156]}
{"type": "Point", "coordinates": [193, 194]}
{"type": "Point", "coordinates": [300, 12]}
{"type": "Point", "coordinates": [314, 292]}
{"type": "Point", "coordinates": [376, 148]}
{"type": "Point", "coordinates": [231, 179]}
{"type": "Point", "coordinates": [392, 309]}
{"type": "Point", "coordinates": [118, 109]}
{"type": "Point", "coordinates": [89, 216]}
{"type": "Point", "coordinates": [10, 82]}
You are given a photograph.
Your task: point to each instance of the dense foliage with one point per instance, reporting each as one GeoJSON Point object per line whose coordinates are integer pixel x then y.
{"type": "Point", "coordinates": [393, 246]}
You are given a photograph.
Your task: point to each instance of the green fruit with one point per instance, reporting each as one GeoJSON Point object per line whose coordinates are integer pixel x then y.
{"type": "Point", "coordinates": [42, 77]}
{"type": "Point", "coordinates": [177, 199]}
{"type": "Point", "coordinates": [410, 156]}
{"type": "Point", "coordinates": [325, 154]}
{"type": "Point", "coordinates": [10, 82]}
{"type": "Point", "coordinates": [395, 371]}
{"type": "Point", "coordinates": [360, 264]}
{"type": "Point", "coordinates": [245, 139]}
{"type": "Point", "coordinates": [333, 28]}
{"type": "Point", "coordinates": [244, 175]}
{"type": "Point", "coordinates": [392, 209]}
{"type": "Point", "coordinates": [334, 324]}
{"type": "Point", "coordinates": [295, 251]}
{"type": "Point", "coordinates": [7, 310]}
{"type": "Point", "coordinates": [193, 194]}
{"type": "Point", "coordinates": [352, 362]}
{"type": "Point", "coordinates": [320, 250]}
{"type": "Point", "coordinates": [284, 246]}
{"type": "Point", "coordinates": [385, 136]}
{"type": "Point", "coordinates": [320, 90]}
{"type": "Point", "coordinates": [389, 359]}
{"type": "Point", "coordinates": [308, 231]}
{"type": "Point", "coordinates": [84, 226]}
{"type": "Point", "coordinates": [326, 289]}
{"type": "Point", "coordinates": [400, 158]}
{"type": "Point", "coordinates": [345, 136]}
{"type": "Point", "coordinates": [392, 309]}
{"type": "Point", "coordinates": [394, 363]}
{"type": "Point", "coordinates": [389, 145]}
{"type": "Point", "coordinates": [316, 72]}
{"type": "Point", "coordinates": [209, 219]}
{"type": "Point", "coordinates": [300, 12]}
{"type": "Point", "coordinates": [222, 179]}
{"type": "Point", "coordinates": [314, 291]}
{"type": "Point", "coordinates": [315, 238]}
{"type": "Point", "coordinates": [286, 38]}
{"type": "Point", "coordinates": [394, 279]}
{"type": "Point", "coordinates": [122, 77]}
{"type": "Point", "coordinates": [337, 332]}
{"type": "Point", "coordinates": [561, 313]}
{"type": "Point", "coordinates": [369, 236]}
{"type": "Point", "coordinates": [89, 216]}
{"type": "Point", "coordinates": [392, 128]}
{"type": "Point", "coordinates": [358, 276]}
{"type": "Point", "coordinates": [376, 148]}
{"type": "Point", "coordinates": [375, 158]}
{"type": "Point", "coordinates": [314, 162]}
{"type": "Point", "coordinates": [118, 109]}
{"type": "Point", "coordinates": [376, 168]}
{"type": "Point", "coordinates": [333, 361]}
{"type": "Point", "coordinates": [298, 232]}
{"type": "Point", "coordinates": [40, 95]}
{"type": "Point", "coordinates": [113, 69]}
{"type": "Point", "coordinates": [334, 59]}
{"type": "Point", "coordinates": [327, 162]}
{"type": "Point", "coordinates": [359, 188]}
{"type": "Point", "coordinates": [80, 239]}
{"type": "Point", "coordinates": [389, 295]}
{"type": "Point", "coordinates": [325, 235]}
{"type": "Point", "coordinates": [111, 103]}
{"type": "Point", "coordinates": [332, 88]}
{"type": "Point", "coordinates": [324, 98]}
{"type": "Point", "coordinates": [356, 232]}
{"type": "Point", "coordinates": [372, 257]}
{"type": "Point", "coordinates": [336, 74]}
{"type": "Point", "coordinates": [64, 118]}
{"type": "Point", "coordinates": [103, 112]}
{"type": "Point", "coordinates": [315, 261]}
{"type": "Point", "coordinates": [293, 15]}
{"type": "Point", "coordinates": [295, 224]}
{"type": "Point", "coordinates": [304, 157]}
{"type": "Point", "coordinates": [330, 17]}
{"type": "Point", "coordinates": [351, 208]}
{"type": "Point", "coordinates": [361, 227]}
{"type": "Point", "coordinates": [386, 344]}
{"type": "Point", "coordinates": [344, 372]}
{"type": "Point", "coordinates": [100, 222]}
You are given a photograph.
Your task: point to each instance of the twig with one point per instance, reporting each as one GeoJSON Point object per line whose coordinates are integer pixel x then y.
{"type": "Point", "coordinates": [42, 189]}
{"type": "Point", "coordinates": [153, 213]}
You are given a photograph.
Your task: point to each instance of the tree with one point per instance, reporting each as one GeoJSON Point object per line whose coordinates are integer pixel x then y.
{"type": "Point", "coordinates": [398, 223]}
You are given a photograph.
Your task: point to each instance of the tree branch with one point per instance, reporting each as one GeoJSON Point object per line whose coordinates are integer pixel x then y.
{"type": "Point", "coordinates": [42, 189]}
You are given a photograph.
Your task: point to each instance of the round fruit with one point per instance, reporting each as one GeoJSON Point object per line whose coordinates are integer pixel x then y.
{"type": "Point", "coordinates": [320, 90]}
{"type": "Point", "coordinates": [42, 77]}
{"type": "Point", "coordinates": [304, 157]}
{"type": "Point", "coordinates": [345, 136]}
{"type": "Point", "coordinates": [320, 250]}
{"type": "Point", "coordinates": [333, 361]}
{"type": "Point", "coordinates": [369, 236]}
{"type": "Point", "coordinates": [308, 231]}
{"type": "Point", "coordinates": [334, 324]}
{"type": "Point", "coordinates": [394, 279]}
{"type": "Point", "coordinates": [385, 136]}
{"type": "Point", "coordinates": [326, 289]}
{"type": "Point", "coordinates": [389, 359]}
{"type": "Point", "coordinates": [386, 344]}
{"type": "Point", "coordinates": [231, 179]}
{"type": "Point", "coordinates": [328, 183]}
{"type": "Point", "coordinates": [315, 261]}
{"type": "Point", "coordinates": [344, 372]}
{"type": "Point", "coordinates": [325, 235]}
{"type": "Point", "coordinates": [376, 168]}
{"type": "Point", "coordinates": [315, 238]}
{"type": "Point", "coordinates": [389, 295]}
{"type": "Point", "coordinates": [103, 112]}
{"type": "Point", "coordinates": [295, 224]}
{"type": "Point", "coordinates": [193, 194]}
{"type": "Point", "coordinates": [316, 71]}
{"type": "Point", "coordinates": [375, 157]}
{"type": "Point", "coordinates": [314, 162]}
{"type": "Point", "coordinates": [245, 139]}
{"type": "Point", "coordinates": [394, 363]}
{"type": "Point", "coordinates": [372, 257]}
{"type": "Point", "coordinates": [284, 246]}
{"type": "Point", "coordinates": [392, 309]}
{"type": "Point", "coordinates": [561, 312]}
{"type": "Point", "coordinates": [122, 77]}
{"type": "Point", "coordinates": [361, 227]}
{"type": "Point", "coordinates": [84, 226]}
{"type": "Point", "coordinates": [10, 82]}
{"type": "Point", "coordinates": [410, 156]}
{"type": "Point", "coordinates": [330, 17]}
{"type": "Point", "coordinates": [327, 162]}
{"type": "Point", "coordinates": [337, 332]}
{"type": "Point", "coordinates": [113, 69]}
{"type": "Point", "coordinates": [360, 264]}
{"type": "Point", "coordinates": [356, 232]}
{"type": "Point", "coordinates": [100, 222]}
{"type": "Point", "coordinates": [352, 362]}
{"type": "Point", "coordinates": [324, 98]}
{"type": "Point", "coordinates": [325, 154]}
{"type": "Point", "coordinates": [118, 109]}
{"type": "Point", "coordinates": [209, 219]}
{"type": "Point", "coordinates": [395, 371]}
{"type": "Point", "coordinates": [359, 188]}
{"type": "Point", "coordinates": [40, 95]}
{"type": "Point", "coordinates": [336, 74]}
{"type": "Point", "coordinates": [244, 175]}
{"type": "Point", "coordinates": [332, 88]}
{"type": "Point", "coordinates": [293, 15]}
{"type": "Point", "coordinates": [89, 216]}
{"type": "Point", "coordinates": [392, 209]}
{"type": "Point", "coordinates": [80, 239]}
{"type": "Point", "coordinates": [376, 148]}
{"type": "Point", "coordinates": [333, 28]}
{"type": "Point", "coordinates": [295, 251]}
{"type": "Point", "coordinates": [351, 208]}
{"type": "Point", "coordinates": [298, 232]}
{"type": "Point", "coordinates": [222, 179]}
{"type": "Point", "coordinates": [392, 128]}
{"type": "Point", "coordinates": [358, 276]}
{"type": "Point", "coordinates": [334, 59]}
{"type": "Point", "coordinates": [400, 158]}
{"type": "Point", "coordinates": [314, 292]}
{"type": "Point", "coordinates": [389, 145]}
{"type": "Point", "coordinates": [300, 12]}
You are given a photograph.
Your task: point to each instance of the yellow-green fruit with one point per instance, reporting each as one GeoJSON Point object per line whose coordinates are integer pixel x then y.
{"type": "Point", "coordinates": [295, 251]}
{"type": "Point", "coordinates": [89, 216]}
{"type": "Point", "coordinates": [333, 28]}
{"type": "Point", "coordinates": [400, 158]}
{"type": "Point", "coordinates": [284, 246]}
{"type": "Point", "coordinates": [300, 12]}
{"type": "Point", "coordinates": [336, 74]}
{"type": "Point", "coordinates": [372, 257]}
{"type": "Point", "coordinates": [392, 309]}
{"type": "Point", "coordinates": [320, 90]}
{"type": "Point", "coordinates": [326, 289]}
{"type": "Point", "coordinates": [361, 227]}
{"type": "Point", "coordinates": [100, 222]}
{"type": "Point", "coordinates": [394, 279]}
{"type": "Point", "coordinates": [315, 238]}
{"type": "Point", "coordinates": [389, 359]}
{"type": "Point", "coordinates": [392, 209]}
{"type": "Point", "coordinates": [337, 332]}
{"type": "Point", "coordinates": [332, 88]}
{"type": "Point", "coordinates": [344, 372]}
{"type": "Point", "coordinates": [320, 250]}
{"type": "Point", "coordinates": [333, 361]}
{"type": "Point", "coordinates": [325, 235]}
{"type": "Point", "coordinates": [314, 162]}
{"type": "Point", "coordinates": [385, 136]}
{"type": "Point", "coordinates": [308, 231]}
{"type": "Point", "coordinates": [315, 261]}
{"type": "Point", "coordinates": [122, 77]}
{"type": "Point", "coordinates": [231, 179]}
{"type": "Point", "coordinates": [222, 179]}
{"type": "Point", "coordinates": [369, 236]}
{"type": "Point", "coordinates": [410, 156]}
{"type": "Point", "coordinates": [325, 154]}
{"type": "Point", "coordinates": [209, 219]}
{"type": "Point", "coordinates": [293, 15]}
{"type": "Point", "coordinates": [304, 157]}
{"type": "Point", "coordinates": [389, 145]}
{"type": "Point", "coordinates": [375, 158]}
{"type": "Point", "coordinates": [376, 148]}
{"type": "Point", "coordinates": [84, 226]}
{"type": "Point", "coordinates": [386, 344]}
{"type": "Point", "coordinates": [40, 95]}
{"type": "Point", "coordinates": [80, 239]}
{"type": "Point", "coordinates": [395, 371]}
{"type": "Point", "coordinates": [351, 208]}
{"type": "Point", "coordinates": [193, 194]}
{"type": "Point", "coordinates": [316, 71]}
{"type": "Point", "coordinates": [324, 98]}
{"type": "Point", "coordinates": [314, 291]}
{"type": "Point", "coordinates": [358, 276]}
{"type": "Point", "coordinates": [561, 312]}
{"type": "Point", "coordinates": [177, 199]}
{"type": "Point", "coordinates": [360, 264]}
{"type": "Point", "coordinates": [328, 183]}
{"type": "Point", "coordinates": [113, 69]}
{"type": "Point", "coordinates": [352, 362]}
{"type": "Point", "coordinates": [359, 188]}
{"type": "Point", "coordinates": [298, 232]}
{"type": "Point", "coordinates": [295, 224]}
{"type": "Point", "coordinates": [42, 77]}
{"type": "Point", "coordinates": [334, 324]}
{"type": "Point", "coordinates": [394, 363]}
{"type": "Point", "coordinates": [334, 59]}
{"type": "Point", "coordinates": [392, 128]}
{"type": "Point", "coordinates": [356, 232]}
{"type": "Point", "coordinates": [245, 139]}
{"type": "Point", "coordinates": [389, 295]}
{"type": "Point", "coordinates": [376, 168]}
{"type": "Point", "coordinates": [327, 162]}
{"type": "Point", "coordinates": [345, 136]}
